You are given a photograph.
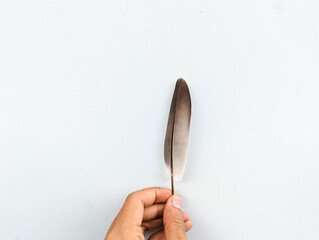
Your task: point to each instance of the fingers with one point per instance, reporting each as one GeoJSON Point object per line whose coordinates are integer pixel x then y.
{"type": "Point", "coordinates": [152, 224]}
{"type": "Point", "coordinates": [174, 227]}
{"type": "Point", "coordinates": [185, 216]}
{"type": "Point", "coordinates": [156, 211]}
{"type": "Point", "coordinates": [188, 224]}
{"type": "Point", "coordinates": [158, 222]}
{"type": "Point", "coordinates": [133, 208]}
{"type": "Point", "coordinates": [148, 196]}
{"type": "Point", "coordinates": [149, 209]}
{"type": "Point", "coordinates": [153, 211]}
{"type": "Point", "coordinates": [160, 235]}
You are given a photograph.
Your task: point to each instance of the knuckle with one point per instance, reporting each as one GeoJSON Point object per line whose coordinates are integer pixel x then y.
{"type": "Point", "coordinates": [131, 196]}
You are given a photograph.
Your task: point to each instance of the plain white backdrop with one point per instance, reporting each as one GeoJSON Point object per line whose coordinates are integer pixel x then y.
{"type": "Point", "coordinates": [85, 89]}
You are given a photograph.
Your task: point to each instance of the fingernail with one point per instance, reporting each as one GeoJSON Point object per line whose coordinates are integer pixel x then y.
{"type": "Point", "coordinates": [177, 202]}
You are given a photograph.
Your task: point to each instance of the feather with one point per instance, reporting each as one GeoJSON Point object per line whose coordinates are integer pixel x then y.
{"type": "Point", "coordinates": [177, 132]}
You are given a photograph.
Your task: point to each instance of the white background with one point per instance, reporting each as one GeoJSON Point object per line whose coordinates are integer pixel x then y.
{"type": "Point", "coordinates": [85, 89]}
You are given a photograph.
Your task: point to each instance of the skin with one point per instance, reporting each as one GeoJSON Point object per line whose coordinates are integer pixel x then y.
{"type": "Point", "coordinates": [149, 209]}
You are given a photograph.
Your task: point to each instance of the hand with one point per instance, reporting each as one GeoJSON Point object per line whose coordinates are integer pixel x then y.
{"type": "Point", "coordinates": [149, 209]}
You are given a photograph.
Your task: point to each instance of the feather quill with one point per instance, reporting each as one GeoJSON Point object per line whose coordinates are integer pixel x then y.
{"type": "Point", "coordinates": [177, 131]}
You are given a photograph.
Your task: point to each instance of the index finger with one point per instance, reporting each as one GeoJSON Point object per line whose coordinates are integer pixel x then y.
{"type": "Point", "coordinates": [148, 196]}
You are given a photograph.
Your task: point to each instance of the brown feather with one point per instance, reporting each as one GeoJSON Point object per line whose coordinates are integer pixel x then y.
{"type": "Point", "coordinates": [177, 132]}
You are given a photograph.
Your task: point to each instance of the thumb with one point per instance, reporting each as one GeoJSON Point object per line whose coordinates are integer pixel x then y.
{"type": "Point", "coordinates": [174, 227]}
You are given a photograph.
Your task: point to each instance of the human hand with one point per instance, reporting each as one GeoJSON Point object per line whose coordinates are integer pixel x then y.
{"type": "Point", "coordinates": [149, 209]}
